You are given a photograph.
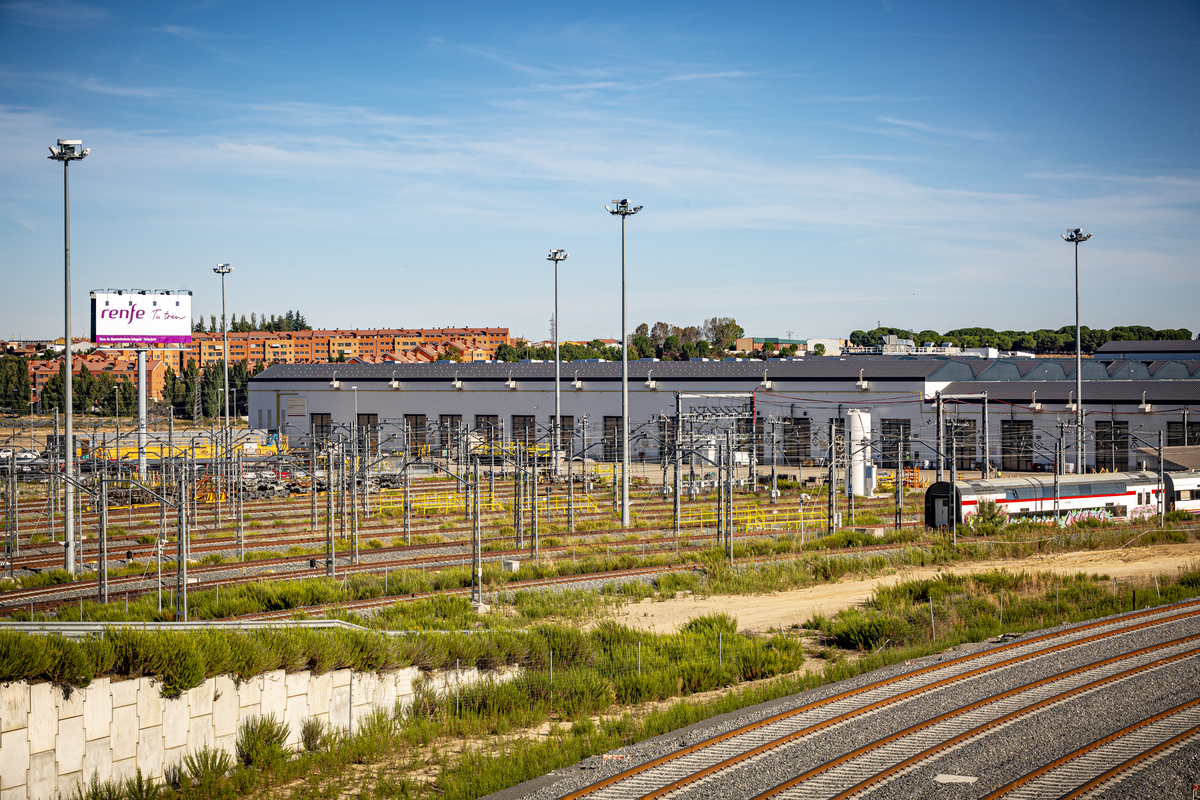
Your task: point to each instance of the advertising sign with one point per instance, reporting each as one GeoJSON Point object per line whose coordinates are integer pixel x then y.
{"type": "Point", "coordinates": [142, 317]}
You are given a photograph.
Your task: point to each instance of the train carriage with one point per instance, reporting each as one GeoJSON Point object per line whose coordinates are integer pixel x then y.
{"type": "Point", "coordinates": [1118, 495]}
{"type": "Point", "coordinates": [1183, 491]}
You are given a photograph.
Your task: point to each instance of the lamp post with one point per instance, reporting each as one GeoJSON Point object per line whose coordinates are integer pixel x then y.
{"type": "Point", "coordinates": [557, 256]}
{"type": "Point", "coordinates": [68, 150]}
{"type": "Point", "coordinates": [223, 270]}
{"type": "Point", "coordinates": [1075, 237]}
{"type": "Point", "coordinates": [622, 209]}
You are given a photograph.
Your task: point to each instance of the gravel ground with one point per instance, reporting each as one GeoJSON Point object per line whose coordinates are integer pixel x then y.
{"type": "Point", "coordinates": [778, 765]}
{"type": "Point", "coordinates": [998, 758]}
{"type": "Point", "coordinates": [1171, 776]}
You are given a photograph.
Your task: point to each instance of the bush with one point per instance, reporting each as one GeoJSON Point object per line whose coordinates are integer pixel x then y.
{"type": "Point", "coordinates": [711, 625]}
{"type": "Point", "coordinates": [261, 742]}
{"type": "Point", "coordinates": [313, 734]}
{"type": "Point", "coordinates": [1179, 515]}
{"type": "Point", "coordinates": [206, 769]}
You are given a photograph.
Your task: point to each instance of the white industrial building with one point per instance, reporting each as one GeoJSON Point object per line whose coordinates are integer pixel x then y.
{"type": "Point", "coordinates": [794, 402]}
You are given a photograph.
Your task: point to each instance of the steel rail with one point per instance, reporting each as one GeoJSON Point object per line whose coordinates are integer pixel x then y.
{"type": "Point", "coordinates": [873, 747]}
{"type": "Point", "coordinates": [990, 725]}
{"type": "Point", "coordinates": [1059, 763]}
{"type": "Point", "coordinates": [786, 715]}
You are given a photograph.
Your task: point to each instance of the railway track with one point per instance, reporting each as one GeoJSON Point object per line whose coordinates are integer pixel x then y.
{"type": "Point", "coordinates": [48, 599]}
{"type": "Point", "coordinates": [1092, 767]}
{"type": "Point", "coordinates": [733, 763]}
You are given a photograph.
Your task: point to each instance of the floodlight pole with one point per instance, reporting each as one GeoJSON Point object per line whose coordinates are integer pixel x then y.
{"type": "Point", "coordinates": [223, 270]}
{"type": "Point", "coordinates": [1075, 237]}
{"type": "Point", "coordinates": [557, 256]}
{"type": "Point", "coordinates": [622, 209]}
{"type": "Point", "coordinates": [68, 150]}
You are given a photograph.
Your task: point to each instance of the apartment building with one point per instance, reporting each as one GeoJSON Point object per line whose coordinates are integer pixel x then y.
{"type": "Point", "coordinates": [372, 345]}
{"type": "Point", "coordinates": [122, 368]}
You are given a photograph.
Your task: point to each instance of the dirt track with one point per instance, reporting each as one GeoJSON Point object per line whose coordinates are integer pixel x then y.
{"type": "Point", "coordinates": [764, 612]}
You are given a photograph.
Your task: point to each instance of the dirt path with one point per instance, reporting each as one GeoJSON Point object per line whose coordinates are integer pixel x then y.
{"type": "Point", "coordinates": [766, 612]}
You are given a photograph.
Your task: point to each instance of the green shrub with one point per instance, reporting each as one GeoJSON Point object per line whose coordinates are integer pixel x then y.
{"type": "Point", "coordinates": [261, 742]}
{"type": "Point", "coordinates": [95, 789]}
{"type": "Point", "coordinates": [313, 734]}
{"type": "Point", "coordinates": [711, 624]}
{"type": "Point", "coordinates": [139, 787]}
{"type": "Point", "coordinates": [206, 768]}
{"type": "Point", "coordinates": [1179, 515]}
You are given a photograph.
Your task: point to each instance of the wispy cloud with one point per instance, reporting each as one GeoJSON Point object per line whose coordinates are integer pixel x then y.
{"type": "Point", "coordinates": [101, 87]}
{"type": "Point", "coordinates": [60, 16]}
{"type": "Point", "coordinates": [925, 127]}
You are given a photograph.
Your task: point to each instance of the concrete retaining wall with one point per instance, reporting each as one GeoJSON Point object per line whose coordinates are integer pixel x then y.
{"type": "Point", "coordinates": [50, 742]}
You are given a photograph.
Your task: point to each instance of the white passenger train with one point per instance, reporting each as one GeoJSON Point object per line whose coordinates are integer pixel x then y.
{"type": "Point", "coordinates": [1118, 495]}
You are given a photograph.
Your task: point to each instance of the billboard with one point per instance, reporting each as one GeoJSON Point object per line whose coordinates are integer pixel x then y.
{"type": "Point", "coordinates": [141, 316]}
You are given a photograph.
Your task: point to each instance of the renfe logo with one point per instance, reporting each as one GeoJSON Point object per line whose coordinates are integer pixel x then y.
{"type": "Point", "coordinates": [127, 314]}
{"type": "Point", "coordinates": [141, 317]}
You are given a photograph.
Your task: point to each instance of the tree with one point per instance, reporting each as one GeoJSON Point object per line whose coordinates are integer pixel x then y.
{"type": "Point", "coordinates": [768, 349]}
{"type": "Point", "coordinates": [506, 352]}
{"type": "Point", "coordinates": [213, 328]}
{"type": "Point", "coordinates": [659, 333]}
{"type": "Point", "coordinates": [721, 332]}
{"type": "Point", "coordinates": [14, 383]}
{"type": "Point", "coordinates": [641, 347]}
{"type": "Point", "coordinates": [671, 348]}
{"type": "Point", "coordinates": [819, 350]}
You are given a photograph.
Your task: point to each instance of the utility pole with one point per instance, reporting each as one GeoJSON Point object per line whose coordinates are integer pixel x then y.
{"type": "Point", "coordinates": [987, 441]}
{"type": "Point", "coordinates": [1076, 237]}
{"type": "Point", "coordinates": [1162, 486]}
{"type": "Point", "coordinates": [678, 477]}
{"type": "Point", "coordinates": [622, 209]}
{"type": "Point", "coordinates": [941, 439]}
{"type": "Point", "coordinates": [66, 151]}
{"type": "Point", "coordinates": [556, 256]}
{"type": "Point", "coordinates": [953, 491]}
{"type": "Point", "coordinates": [832, 475]}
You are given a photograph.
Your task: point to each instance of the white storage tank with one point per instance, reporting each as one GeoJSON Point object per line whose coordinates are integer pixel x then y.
{"type": "Point", "coordinates": [858, 450]}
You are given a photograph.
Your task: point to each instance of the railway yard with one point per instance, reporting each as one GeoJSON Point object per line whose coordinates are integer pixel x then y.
{"type": "Point", "coordinates": [1045, 702]}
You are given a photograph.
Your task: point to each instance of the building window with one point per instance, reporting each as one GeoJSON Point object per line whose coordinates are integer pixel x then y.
{"type": "Point", "coordinates": [896, 442]}
{"type": "Point", "coordinates": [612, 438]}
{"type": "Point", "coordinates": [524, 428]}
{"type": "Point", "coordinates": [566, 432]}
{"type": "Point", "coordinates": [368, 430]}
{"type": "Point", "coordinates": [322, 426]}
{"type": "Point", "coordinates": [1016, 445]}
{"type": "Point", "coordinates": [1112, 446]}
{"type": "Point", "coordinates": [488, 426]}
{"type": "Point", "coordinates": [449, 428]}
{"type": "Point", "coordinates": [1175, 433]}
{"type": "Point", "coordinates": [415, 430]}
{"type": "Point", "coordinates": [961, 441]}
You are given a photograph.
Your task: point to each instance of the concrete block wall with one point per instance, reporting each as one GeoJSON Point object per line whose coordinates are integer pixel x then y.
{"type": "Point", "coordinates": [52, 741]}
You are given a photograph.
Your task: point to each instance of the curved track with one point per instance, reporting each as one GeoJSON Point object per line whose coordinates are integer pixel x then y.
{"type": "Point", "coordinates": [954, 707]}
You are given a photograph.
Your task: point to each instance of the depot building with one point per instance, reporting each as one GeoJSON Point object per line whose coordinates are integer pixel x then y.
{"type": "Point", "coordinates": [1009, 411]}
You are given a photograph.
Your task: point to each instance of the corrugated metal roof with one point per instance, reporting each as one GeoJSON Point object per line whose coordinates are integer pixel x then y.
{"type": "Point", "coordinates": [816, 369]}
{"type": "Point", "coordinates": [1165, 346]}
{"type": "Point", "coordinates": [881, 369]}
{"type": "Point", "coordinates": [1094, 392]}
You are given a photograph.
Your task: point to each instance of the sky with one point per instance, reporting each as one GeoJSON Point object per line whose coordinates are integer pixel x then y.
{"type": "Point", "coordinates": [806, 168]}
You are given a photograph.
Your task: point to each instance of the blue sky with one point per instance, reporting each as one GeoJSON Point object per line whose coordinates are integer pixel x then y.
{"type": "Point", "coordinates": [804, 167]}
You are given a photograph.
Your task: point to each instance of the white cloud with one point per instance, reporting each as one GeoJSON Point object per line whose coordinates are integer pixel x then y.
{"type": "Point", "coordinates": [59, 15]}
